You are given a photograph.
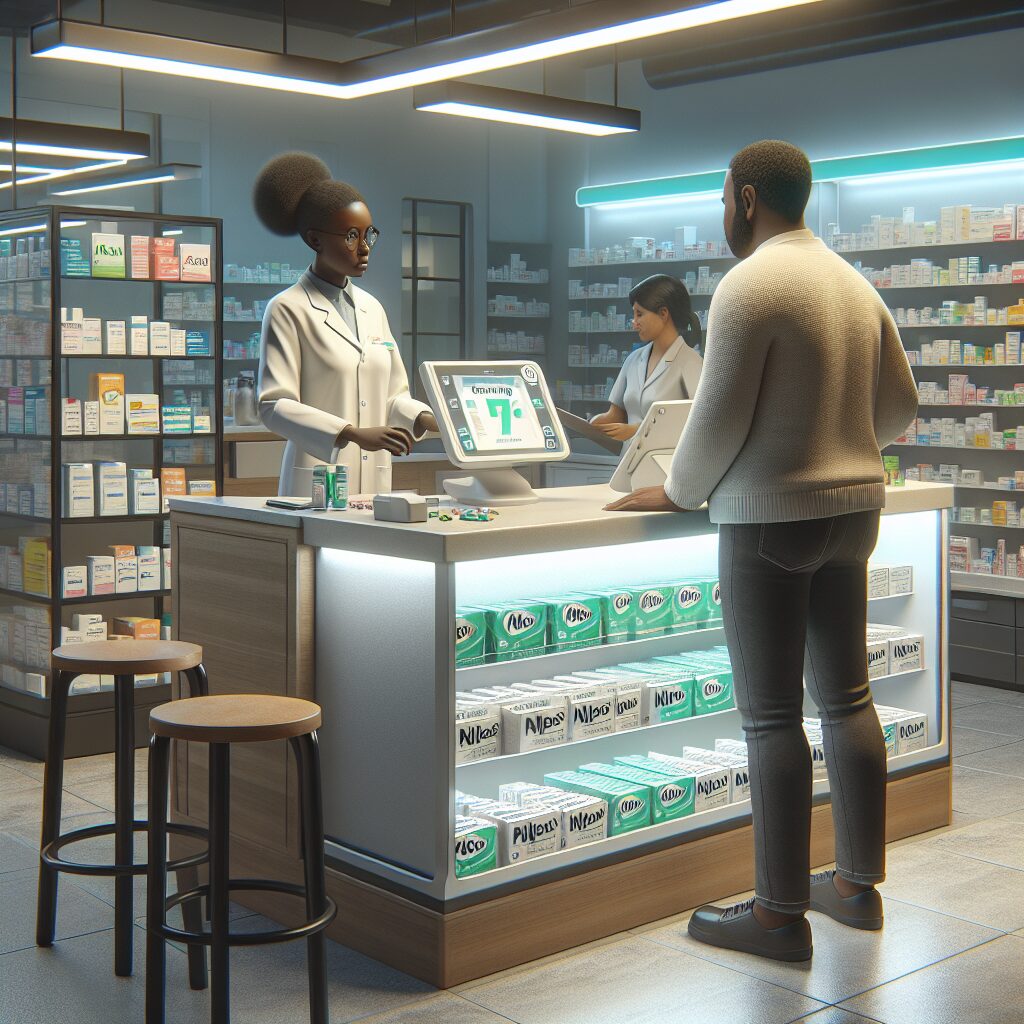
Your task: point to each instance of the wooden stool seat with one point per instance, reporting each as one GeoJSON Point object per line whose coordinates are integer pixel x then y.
{"type": "Point", "coordinates": [235, 718]}
{"type": "Point", "coordinates": [127, 657]}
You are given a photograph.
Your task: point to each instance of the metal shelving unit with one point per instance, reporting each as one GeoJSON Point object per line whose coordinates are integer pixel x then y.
{"type": "Point", "coordinates": [35, 461]}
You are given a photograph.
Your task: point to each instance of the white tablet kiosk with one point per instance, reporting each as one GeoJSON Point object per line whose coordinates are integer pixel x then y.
{"type": "Point", "coordinates": [492, 416]}
{"type": "Point", "coordinates": [648, 458]}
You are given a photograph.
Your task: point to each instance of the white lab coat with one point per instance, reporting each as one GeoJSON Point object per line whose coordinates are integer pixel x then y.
{"type": "Point", "coordinates": [316, 378]}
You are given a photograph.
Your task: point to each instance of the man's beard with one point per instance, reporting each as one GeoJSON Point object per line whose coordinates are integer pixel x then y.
{"type": "Point", "coordinates": [740, 235]}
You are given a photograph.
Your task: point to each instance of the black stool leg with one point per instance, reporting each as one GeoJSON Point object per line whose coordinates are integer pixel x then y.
{"type": "Point", "coordinates": [188, 878]}
{"type": "Point", "coordinates": [307, 754]}
{"type": "Point", "coordinates": [220, 873]}
{"type": "Point", "coordinates": [156, 889]}
{"type": "Point", "coordinates": [53, 785]}
{"type": "Point", "coordinates": [124, 818]}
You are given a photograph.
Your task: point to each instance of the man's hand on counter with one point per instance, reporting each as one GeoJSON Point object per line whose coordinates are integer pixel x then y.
{"type": "Point", "coordinates": [647, 499]}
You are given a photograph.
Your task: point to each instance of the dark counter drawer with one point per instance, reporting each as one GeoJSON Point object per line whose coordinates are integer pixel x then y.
{"type": "Point", "coordinates": [1020, 612]}
{"type": "Point", "coordinates": [984, 635]}
{"type": "Point", "coordinates": [984, 608]}
{"type": "Point", "coordinates": [1020, 671]}
{"type": "Point", "coordinates": [974, 663]}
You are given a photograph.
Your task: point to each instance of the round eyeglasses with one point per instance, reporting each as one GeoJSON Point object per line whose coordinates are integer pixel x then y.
{"type": "Point", "coordinates": [354, 236]}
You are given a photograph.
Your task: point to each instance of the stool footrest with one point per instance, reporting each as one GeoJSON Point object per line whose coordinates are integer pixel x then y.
{"type": "Point", "coordinates": [204, 938]}
{"type": "Point", "coordinates": [49, 853]}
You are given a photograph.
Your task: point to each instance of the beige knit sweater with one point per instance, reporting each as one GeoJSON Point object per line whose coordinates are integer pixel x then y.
{"type": "Point", "coordinates": [805, 380]}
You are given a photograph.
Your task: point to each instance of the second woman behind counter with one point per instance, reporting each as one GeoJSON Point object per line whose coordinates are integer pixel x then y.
{"type": "Point", "coordinates": [665, 369]}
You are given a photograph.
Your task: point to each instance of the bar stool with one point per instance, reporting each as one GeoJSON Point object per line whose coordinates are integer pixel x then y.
{"type": "Point", "coordinates": [124, 659]}
{"type": "Point", "coordinates": [220, 721]}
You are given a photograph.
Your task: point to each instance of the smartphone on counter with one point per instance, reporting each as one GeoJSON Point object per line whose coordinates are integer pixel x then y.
{"type": "Point", "coordinates": [291, 506]}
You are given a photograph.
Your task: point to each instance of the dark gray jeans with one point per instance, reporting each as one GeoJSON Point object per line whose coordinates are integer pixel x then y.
{"type": "Point", "coordinates": [794, 598]}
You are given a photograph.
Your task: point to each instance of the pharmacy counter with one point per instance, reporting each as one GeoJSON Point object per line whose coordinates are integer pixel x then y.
{"type": "Point", "coordinates": [359, 616]}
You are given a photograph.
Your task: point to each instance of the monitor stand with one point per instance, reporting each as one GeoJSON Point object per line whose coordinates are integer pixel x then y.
{"type": "Point", "coordinates": [491, 488]}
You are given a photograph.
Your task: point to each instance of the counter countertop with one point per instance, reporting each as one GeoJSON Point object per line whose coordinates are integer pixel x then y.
{"type": "Point", "coordinates": [564, 518]}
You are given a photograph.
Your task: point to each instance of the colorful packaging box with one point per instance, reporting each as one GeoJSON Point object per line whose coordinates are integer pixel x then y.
{"type": "Point", "coordinates": [476, 846]}
{"type": "Point", "coordinates": [574, 621]}
{"type": "Point", "coordinates": [470, 637]}
{"type": "Point", "coordinates": [628, 806]}
{"type": "Point", "coordinates": [671, 795]}
{"type": "Point", "coordinates": [618, 615]}
{"type": "Point", "coordinates": [516, 630]}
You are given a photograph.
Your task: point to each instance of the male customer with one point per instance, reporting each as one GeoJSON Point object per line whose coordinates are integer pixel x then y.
{"type": "Point", "coordinates": [804, 381]}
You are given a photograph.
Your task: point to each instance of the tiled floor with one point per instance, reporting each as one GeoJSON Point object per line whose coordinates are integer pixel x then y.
{"type": "Point", "coordinates": [952, 949]}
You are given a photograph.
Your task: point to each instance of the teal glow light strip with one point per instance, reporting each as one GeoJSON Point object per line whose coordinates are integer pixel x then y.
{"type": "Point", "coordinates": [960, 154]}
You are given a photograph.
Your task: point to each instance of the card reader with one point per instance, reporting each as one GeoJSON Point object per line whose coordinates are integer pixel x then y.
{"type": "Point", "coordinates": [400, 508]}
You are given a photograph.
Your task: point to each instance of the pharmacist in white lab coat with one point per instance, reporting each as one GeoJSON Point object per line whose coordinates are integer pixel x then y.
{"type": "Point", "coordinates": [332, 381]}
{"type": "Point", "coordinates": [667, 368]}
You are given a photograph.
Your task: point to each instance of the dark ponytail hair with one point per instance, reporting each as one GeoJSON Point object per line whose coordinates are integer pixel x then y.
{"type": "Point", "coordinates": [663, 292]}
{"type": "Point", "coordinates": [294, 192]}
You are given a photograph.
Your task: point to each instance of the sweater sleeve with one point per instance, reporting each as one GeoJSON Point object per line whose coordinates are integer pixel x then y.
{"type": "Point", "coordinates": [738, 342]}
{"type": "Point", "coordinates": [896, 398]}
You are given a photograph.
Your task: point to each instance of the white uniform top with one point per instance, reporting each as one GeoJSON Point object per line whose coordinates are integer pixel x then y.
{"type": "Point", "coordinates": [674, 378]}
{"type": "Point", "coordinates": [317, 377]}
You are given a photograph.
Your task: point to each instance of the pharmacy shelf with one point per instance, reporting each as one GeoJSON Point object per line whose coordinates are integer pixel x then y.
{"type": "Point", "coordinates": [138, 280]}
{"type": "Point", "coordinates": [625, 298]}
{"type": "Point", "coordinates": [27, 437]}
{"type": "Point", "coordinates": [23, 518]}
{"type": "Point", "coordinates": [932, 246]}
{"type": "Point", "coordinates": [107, 598]}
{"type": "Point", "coordinates": [972, 405]}
{"type": "Point", "coordinates": [944, 287]}
{"type": "Point", "coordinates": [595, 366]}
{"type": "Point", "coordinates": [252, 321]}
{"type": "Point", "coordinates": [954, 448]}
{"type": "Point", "coordinates": [648, 263]}
{"type": "Point", "coordinates": [179, 435]}
{"type": "Point", "coordinates": [22, 595]}
{"type": "Point", "coordinates": [260, 284]}
{"type": "Point", "coordinates": [984, 526]}
{"type": "Point", "coordinates": [23, 280]}
{"type": "Point", "coordinates": [984, 583]}
{"type": "Point", "coordinates": [731, 815]}
{"type": "Point", "coordinates": [30, 355]}
{"type": "Point", "coordinates": [106, 357]}
{"type": "Point", "coordinates": [520, 284]}
{"type": "Point", "coordinates": [1019, 367]}
{"type": "Point", "coordinates": [518, 316]}
{"type": "Point", "coordinates": [94, 520]}
{"type": "Point", "coordinates": [505, 353]}
{"type": "Point", "coordinates": [988, 487]}
{"type": "Point", "coordinates": [625, 330]}
{"type": "Point", "coordinates": [961, 327]}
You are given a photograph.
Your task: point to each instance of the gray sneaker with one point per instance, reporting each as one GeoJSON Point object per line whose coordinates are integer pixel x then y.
{"type": "Point", "coordinates": [736, 928]}
{"type": "Point", "coordinates": [864, 910]}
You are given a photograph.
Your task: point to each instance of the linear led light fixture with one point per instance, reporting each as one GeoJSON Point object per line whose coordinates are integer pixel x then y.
{"type": "Point", "coordinates": [509, 106]}
{"type": "Point", "coordinates": [81, 141]}
{"type": "Point", "coordinates": [138, 176]}
{"type": "Point", "coordinates": [850, 169]}
{"type": "Point", "coordinates": [25, 229]}
{"type": "Point", "coordinates": [52, 175]}
{"type": "Point", "coordinates": [598, 24]}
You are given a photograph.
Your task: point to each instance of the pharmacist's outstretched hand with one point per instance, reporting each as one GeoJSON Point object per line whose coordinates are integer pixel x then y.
{"type": "Point", "coordinates": [426, 423]}
{"type": "Point", "coordinates": [647, 499]}
{"type": "Point", "coordinates": [619, 431]}
{"type": "Point", "coordinates": [375, 439]}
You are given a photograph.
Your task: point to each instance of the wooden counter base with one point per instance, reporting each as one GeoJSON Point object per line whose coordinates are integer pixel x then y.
{"type": "Point", "coordinates": [447, 949]}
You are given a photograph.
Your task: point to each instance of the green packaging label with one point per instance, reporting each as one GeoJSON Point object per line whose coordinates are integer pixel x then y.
{"type": "Point", "coordinates": [712, 692]}
{"type": "Point", "coordinates": [107, 255]}
{"type": "Point", "coordinates": [470, 636]}
{"type": "Point", "coordinates": [618, 615]}
{"type": "Point", "coordinates": [690, 605]}
{"type": "Point", "coordinates": [654, 608]}
{"type": "Point", "coordinates": [671, 796]}
{"type": "Point", "coordinates": [628, 805]}
{"type": "Point", "coordinates": [517, 630]}
{"type": "Point", "coordinates": [476, 847]}
{"type": "Point", "coordinates": [889, 734]}
{"type": "Point", "coordinates": [574, 621]}
{"type": "Point", "coordinates": [715, 603]}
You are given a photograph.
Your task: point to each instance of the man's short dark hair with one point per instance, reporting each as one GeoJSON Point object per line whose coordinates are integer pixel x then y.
{"type": "Point", "coordinates": [780, 174]}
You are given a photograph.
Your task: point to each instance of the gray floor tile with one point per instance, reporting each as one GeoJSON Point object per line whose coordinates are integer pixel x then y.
{"type": "Point", "coordinates": [25, 805]}
{"type": "Point", "coordinates": [985, 793]}
{"type": "Point", "coordinates": [16, 759]}
{"type": "Point", "coordinates": [100, 791]}
{"type": "Point", "coordinates": [835, 1015]}
{"type": "Point", "coordinates": [985, 985]}
{"type": "Point", "coordinates": [77, 911]}
{"type": "Point", "coordinates": [847, 961]}
{"type": "Point", "coordinates": [972, 693]}
{"type": "Point", "coordinates": [76, 769]}
{"type": "Point", "coordinates": [442, 1008]}
{"type": "Point", "coordinates": [74, 982]}
{"type": "Point", "coordinates": [992, 716]}
{"type": "Point", "coordinates": [16, 855]}
{"type": "Point", "coordinates": [641, 982]}
{"type": "Point", "coordinates": [1006, 759]}
{"type": "Point", "coordinates": [935, 878]}
{"type": "Point", "coordinates": [269, 984]}
{"type": "Point", "coordinates": [11, 780]}
{"type": "Point", "coordinates": [994, 840]}
{"type": "Point", "coordinates": [970, 741]}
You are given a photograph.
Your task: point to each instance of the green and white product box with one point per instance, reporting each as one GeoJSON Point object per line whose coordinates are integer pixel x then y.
{"type": "Point", "coordinates": [671, 795]}
{"type": "Point", "coordinates": [584, 818]}
{"type": "Point", "coordinates": [628, 806]}
{"type": "Point", "coordinates": [666, 693]}
{"type": "Point", "coordinates": [476, 846]}
{"type": "Point", "coordinates": [816, 744]}
{"type": "Point", "coordinates": [533, 724]}
{"type": "Point", "coordinates": [574, 621]}
{"type": "Point", "coordinates": [591, 707]}
{"type": "Point", "coordinates": [470, 636]}
{"type": "Point", "coordinates": [908, 730]}
{"type": "Point", "coordinates": [715, 604]}
{"type": "Point", "coordinates": [627, 695]}
{"type": "Point", "coordinates": [516, 630]}
{"type": "Point", "coordinates": [710, 782]}
{"type": "Point", "coordinates": [690, 604]}
{"type": "Point", "coordinates": [107, 255]}
{"type": "Point", "coordinates": [618, 614]}
{"type": "Point", "coordinates": [655, 611]}
{"type": "Point", "coordinates": [477, 733]}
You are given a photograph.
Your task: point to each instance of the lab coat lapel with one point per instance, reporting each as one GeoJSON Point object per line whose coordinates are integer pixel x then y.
{"type": "Point", "coordinates": [662, 367]}
{"type": "Point", "coordinates": [331, 316]}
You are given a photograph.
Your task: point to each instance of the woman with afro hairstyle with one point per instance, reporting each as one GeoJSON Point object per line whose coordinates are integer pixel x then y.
{"type": "Point", "coordinates": [331, 379]}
